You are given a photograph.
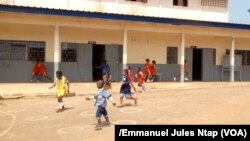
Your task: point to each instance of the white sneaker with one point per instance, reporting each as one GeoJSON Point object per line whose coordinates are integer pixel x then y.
{"type": "Point", "coordinates": [186, 78]}
{"type": "Point", "coordinates": [174, 78]}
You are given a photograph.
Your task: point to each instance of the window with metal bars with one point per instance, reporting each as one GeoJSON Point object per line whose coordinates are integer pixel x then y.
{"type": "Point", "coordinates": [69, 52]}
{"type": "Point", "coordinates": [36, 51]}
{"type": "Point", "coordinates": [172, 55]}
{"type": "Point", "coordinates": [22, 50]}
{"type": "Point", "coordinates": [214, 3]}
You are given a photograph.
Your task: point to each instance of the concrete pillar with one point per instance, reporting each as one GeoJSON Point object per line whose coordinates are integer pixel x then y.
{"type": "Point", "coordinates": [56, 51]}
{"type": "Point", "coordinates": [232, 60]}
{"type": "Point", "coordinates": [125, 48]}
{"type": "Point", "coordinates": [117, 6]}
{"type": "Point", "coordinates": [182, 57]}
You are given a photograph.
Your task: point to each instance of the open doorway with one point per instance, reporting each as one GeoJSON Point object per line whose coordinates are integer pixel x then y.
{"type": "Point", "coordinates": [98, 58]}
{"type": "Point", "coordinates": [197, 64]}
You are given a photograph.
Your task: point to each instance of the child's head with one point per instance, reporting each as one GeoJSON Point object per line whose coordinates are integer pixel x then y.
{"type": "Point", "coordinates": [125, 72]}
{"type": "Point", "coordinates": [59, 74]}
{"type": "Point", "coordinates": [147, 60]}
{"type": "Point", "coordinates": [104, 61]}
{"type": "Point", "coordinates": [37, 61]}
{"type": "Point", "coordinates": [154, 62]}
{"type": "Point", "coordinates": [138, 69]}
{"type": "Point", "coordinates": [40, 60]}
{"type": "Point", "coordinates": [129, 67]}
{"type": "Point", "coordinates": [100, 84]}
{"type": "Point", "coordinates": [185, 61]}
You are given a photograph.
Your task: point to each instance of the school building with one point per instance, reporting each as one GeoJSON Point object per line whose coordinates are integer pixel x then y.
{"type": "Point", "coordinates": [75, 36]}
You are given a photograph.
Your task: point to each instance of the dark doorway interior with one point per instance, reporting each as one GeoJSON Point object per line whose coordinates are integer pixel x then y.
{"type": "Point", "coordinates": [98, 58]}
{"type": "Point", "coordinates": [197, 64]}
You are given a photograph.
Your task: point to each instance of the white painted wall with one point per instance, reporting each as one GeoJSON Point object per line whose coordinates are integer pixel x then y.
{"type": "Point", "coordinates": [154, 8]}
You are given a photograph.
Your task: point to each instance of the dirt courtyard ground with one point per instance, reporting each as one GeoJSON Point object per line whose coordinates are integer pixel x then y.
{"type": "Point", "coordinates": [35, 119]}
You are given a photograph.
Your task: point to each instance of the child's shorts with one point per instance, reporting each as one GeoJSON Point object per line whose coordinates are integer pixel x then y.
{"type": "Point", "coordinates": [125, 95]}
{"type": "Point", "coordinates": [101, 111]}
{"type": "Point", "coordinates": [60, 92]}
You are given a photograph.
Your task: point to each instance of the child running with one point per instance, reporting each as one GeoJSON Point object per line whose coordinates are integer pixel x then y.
{"type": "Point", "coordinates": [62, 88]}
{"type": "Point", "coordinates": [131, 78]}
{"type": "Point", "coordinates": [35, 71]}
{"type": "Point", "coordinates": [101, 103]}
{"type": "Point", "coordinates": [152, 71]}
{"type": "Point", "coordinates": [43, 71]}
{"type": "Point", "coordinates": [147, 70]}
{"type": "Point", "coordinates": [125, 90]}
{"type": "Point", "coordinates": [185, 71]}
{"type": "Point", "coordinates": [140, 78]}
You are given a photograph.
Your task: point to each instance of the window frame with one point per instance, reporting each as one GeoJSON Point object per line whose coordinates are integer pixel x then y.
{"type": "Point", "coordinates": [76, 45]}
{"type": "Point", "coordinates": [10, 45]}
{"type": "Point", "coordinates": [176, 55]}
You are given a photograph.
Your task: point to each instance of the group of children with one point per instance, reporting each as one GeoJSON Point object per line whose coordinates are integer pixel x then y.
{"type": "Point", "coordinates": [39, 70]}
{"type": "Point", "coordinates": [104, 85]}
{"type": "Point", "coordinates": [101, 96]}
{"type": "Point", "coordinates": [149, 70]}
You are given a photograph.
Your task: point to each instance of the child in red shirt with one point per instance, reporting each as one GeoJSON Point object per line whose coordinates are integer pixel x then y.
{"type": "Point", "coordinates": [43, 71]}
{"type": "Point", "coordinates": [140, 78]}
{"type": "Point", "coordinates": [147, 70]}
{"type": "Point", "coordinates": [152, 70]}
{"type": "Point", "coordinates": [35, 71]}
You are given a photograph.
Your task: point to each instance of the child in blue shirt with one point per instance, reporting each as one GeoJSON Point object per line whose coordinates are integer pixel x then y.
{"type": "Point", "coordinates": [125, 90]}
{"type": "Point", "coordinates": [101, 103]}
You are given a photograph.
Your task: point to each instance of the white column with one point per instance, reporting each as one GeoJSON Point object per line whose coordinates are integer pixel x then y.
{"type": "Point", "coordinates": [125, 48]}
{"type": "Point", "coordinates": [56, 51]}
{"type": "Point", "coordinates": [182, 57]}
{"type": "Point", "coordinates": [232, 60]}
{"type": "Point", "coordinates": [117, 6]}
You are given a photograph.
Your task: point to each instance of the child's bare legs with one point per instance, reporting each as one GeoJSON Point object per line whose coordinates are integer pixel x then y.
{"type": "Point", "coordinates": [60, 101]}
{"type": "Point", "coordinates": [107, 120]}
{"type": "Point", "coordinates": [33, 76]}
{"type": "Point", "coordinates": [133, 97]}
{"type": "Point", "coordinates": [185, 75]}
{"type": "Point", "coordinates": [142, 86]}
{"type": "Point", "coordinates": [152, 77]}
{"type": "Point", "coordinates": [146, 77]}
{"type": "Point", "coordinates": [46, 76]}
{"type": "Point", "coordinates": [121, 101]}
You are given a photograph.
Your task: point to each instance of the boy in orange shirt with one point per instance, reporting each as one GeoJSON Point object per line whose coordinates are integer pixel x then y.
{"type": "Point", "coordinates": [152, 70]}
{"type": "Point", "coordinates": [43, 71]}
{"type": "Point", "coordinates": [147, 70]}
{"type": "Point", "coordinates": [35, 71]}
{"type": "Point", "coordinates": [140, 78]}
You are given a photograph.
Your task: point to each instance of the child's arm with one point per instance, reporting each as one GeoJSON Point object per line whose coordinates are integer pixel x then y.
{"type": "Point", "coordinates": [52, 86]}
{"type": "Point", "coordinates": [112, 101]}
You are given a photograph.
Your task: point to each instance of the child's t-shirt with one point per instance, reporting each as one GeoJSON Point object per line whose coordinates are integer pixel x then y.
{"type": "Point", "coordinates": [61, 83]}
{"type": "Point", "coordinates": [101, 97]}
{"type": "Point", "coordinates": [130, 74]}
{"type": "Point", "coordinates": [125, 88]}
{"type": "Point", "coordinates": [147, 68]}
